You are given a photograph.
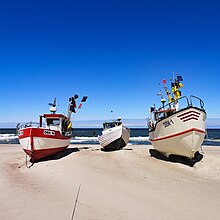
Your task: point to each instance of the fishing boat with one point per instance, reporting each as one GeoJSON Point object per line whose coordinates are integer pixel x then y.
{"type": "Point", "coordinates": [40, 140]}
{"type": "Point", "coordinates": [114, 136]}
{"type": "Point", "coordinates": [178, 127]}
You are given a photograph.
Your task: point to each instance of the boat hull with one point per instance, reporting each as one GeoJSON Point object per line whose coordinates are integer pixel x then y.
{"type": "Point", "coordinates": [114, 138]}
{"type": "Point", "coordinates": [39, 142]}
{"type": "Point", "coordinates": [180, 134]}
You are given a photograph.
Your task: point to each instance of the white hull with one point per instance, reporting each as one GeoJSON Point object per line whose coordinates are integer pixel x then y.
{"type": "Point", "coordinates": [110, 136]}
{"type": "Point", "coordinates": [180, 134]}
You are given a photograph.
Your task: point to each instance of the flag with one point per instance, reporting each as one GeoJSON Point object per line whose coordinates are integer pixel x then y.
{"type": "Point", "coordinates": [164, 81]}
{"type": "Point", "coordinates": [80, 105]}
{"type": "Point", "coordinates": [72, 102]}
{"type": "Point", "coordinates": [84, 98]}
{"type": "Point", "coordinates": [179, 78]}
{"type": "Point", "coordinates": [151, 109]}
{"type": "Point", "coordinates": [180, 85]}
{"type": "Point", "coordinates": [71, 99]}
{"type": "Point", "coordinates": [71, 108]}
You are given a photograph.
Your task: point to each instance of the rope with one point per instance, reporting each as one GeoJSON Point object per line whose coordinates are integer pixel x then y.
{"type": "Point", "coordinates": [75, 202]}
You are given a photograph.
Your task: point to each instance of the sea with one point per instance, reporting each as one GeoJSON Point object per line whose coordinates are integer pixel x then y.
{"type": "Point", "coordinates": [90, 136]}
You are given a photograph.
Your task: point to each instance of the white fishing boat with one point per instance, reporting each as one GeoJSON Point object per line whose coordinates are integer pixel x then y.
{"type": "Point", "coordinates": [40, 140]}
{"type": "Point", "coordinates": [177, 128]}
{"type": "Point", "coordinates": [114, 136]}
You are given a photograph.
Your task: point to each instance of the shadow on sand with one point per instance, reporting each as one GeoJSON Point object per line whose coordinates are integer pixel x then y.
{"type": "Point", "coordinates": [59, 155]}
{"type": "Point", "coordinates": [111, 150]}
{"type": "Point", "coordinates": [176, 158]}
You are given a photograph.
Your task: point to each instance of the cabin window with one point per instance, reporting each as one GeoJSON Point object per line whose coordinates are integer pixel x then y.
{"type": "Point", "coordinates": [52, 121]}
{"type": "Point", "coordinates": [118, 123]}
{"type": "Point", "coordinates": [109, 125]}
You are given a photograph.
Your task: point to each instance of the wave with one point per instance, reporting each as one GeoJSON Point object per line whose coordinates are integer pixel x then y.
{"type": "Point", "coordinates": [8, 136]}
{"type": "Point", "coordinates": [94, 140]}
{"type": "Point", "coordinates": [13, 139]}
{"type": "Point", "coordinates": [78, 140]}
{"type": "Point", "coordinates": [214, 140]}
{"type": "Point", "coordinates": [139, 139]}
{"type": "Point", "coordinates": [8, 139]}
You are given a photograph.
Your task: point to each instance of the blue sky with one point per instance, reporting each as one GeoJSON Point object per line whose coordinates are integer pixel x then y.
{"type": "Point", "coordinates": [116, 52]}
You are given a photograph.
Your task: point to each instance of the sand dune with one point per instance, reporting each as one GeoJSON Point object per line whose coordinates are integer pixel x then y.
{"type": "Point", "coordinates": [125, 184]}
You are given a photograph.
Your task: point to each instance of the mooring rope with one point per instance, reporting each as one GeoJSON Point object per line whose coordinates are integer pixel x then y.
{"type": "Point", "coordinates": [75, 202]}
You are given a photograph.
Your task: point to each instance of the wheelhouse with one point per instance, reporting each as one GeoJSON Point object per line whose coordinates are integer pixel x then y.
{"type": "Point", "coordinates": [112, 124]}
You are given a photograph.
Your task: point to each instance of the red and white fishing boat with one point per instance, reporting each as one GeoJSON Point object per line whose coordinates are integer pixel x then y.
{"type": "Point", "coordinates": [40, 140]}
{"type": "Point", "coordinates": [177, 128]}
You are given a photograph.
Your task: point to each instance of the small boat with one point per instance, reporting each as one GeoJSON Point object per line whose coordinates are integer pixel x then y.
{"type": "Point", "coordinates": [114, 136]}
{"type": "Point", "coordinates": [177, 128]}
{"type": "Point", "coordinates": [40, 140]}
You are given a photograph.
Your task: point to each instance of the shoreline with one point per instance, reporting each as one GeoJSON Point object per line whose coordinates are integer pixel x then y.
{"type": "Point", "coordinates": [125, 184]}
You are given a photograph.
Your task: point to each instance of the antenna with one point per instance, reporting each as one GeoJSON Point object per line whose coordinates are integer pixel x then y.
{"type": "Point", "coordinates": [53, 106]}
{"type": "Point", "coordinates": [160, 94]}
{"type": "Point", "coordinates": [112, 115]}
{"type": "Point", "coordinates": [173, 76]}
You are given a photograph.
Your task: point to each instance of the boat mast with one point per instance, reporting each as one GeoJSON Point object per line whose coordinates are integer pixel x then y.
{"type": "Point", "coordinates": [170, 98]}
{"type": "Point", "coordinates": [162, 99]}
{"type": "Point", "coordinates": [72, 106]}
{"type": "Point", "coordinates": [176, 85]}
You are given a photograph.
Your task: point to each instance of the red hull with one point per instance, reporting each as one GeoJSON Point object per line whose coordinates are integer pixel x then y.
{"type": "Point", "coordinates": [36, 149]}
{"type": "Point", "coordinates": [36, 155]}
{"type": "Point", "coordinates": [41, 132]}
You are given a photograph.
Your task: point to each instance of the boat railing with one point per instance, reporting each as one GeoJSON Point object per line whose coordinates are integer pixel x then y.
{"type": "Point", "coordinates": [192, 101]}
{"type": "Point", "coordinates": [27, 124]}
{"type": "Point", "coordinates": [172, 104]}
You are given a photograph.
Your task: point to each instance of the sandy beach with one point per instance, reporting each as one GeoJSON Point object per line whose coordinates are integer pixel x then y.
{"type": "Point", "coordinates": [125, 184]}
